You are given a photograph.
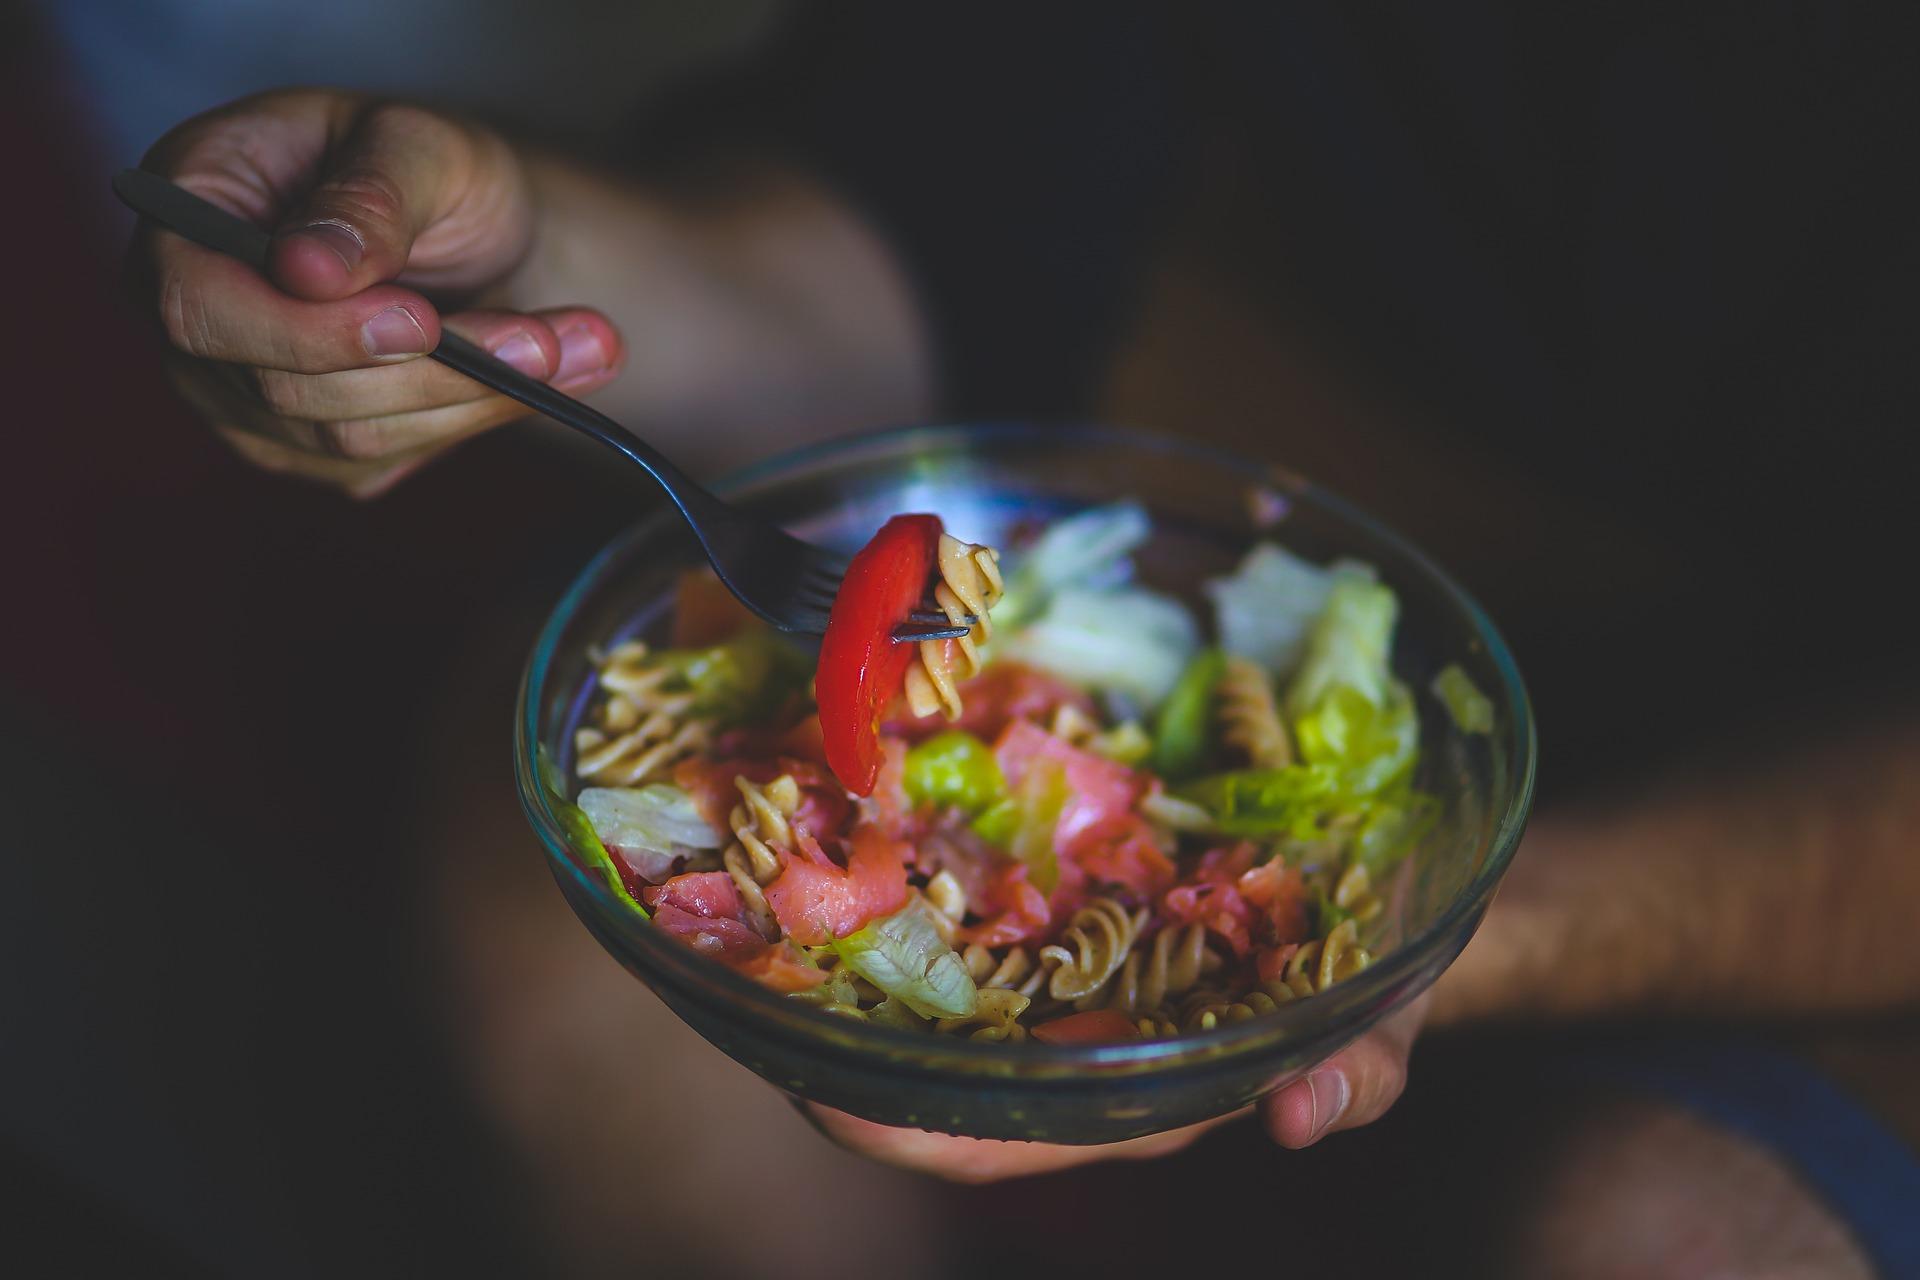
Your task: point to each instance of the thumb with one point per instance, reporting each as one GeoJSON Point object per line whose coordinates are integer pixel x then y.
{"type": "Point", "coordinates": [396, 173]}
{"type": "Point", "coordinates": [1354, 1087]}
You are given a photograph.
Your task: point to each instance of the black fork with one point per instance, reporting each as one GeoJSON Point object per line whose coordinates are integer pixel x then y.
{"type": "Point", "coordinates": [789, 582]}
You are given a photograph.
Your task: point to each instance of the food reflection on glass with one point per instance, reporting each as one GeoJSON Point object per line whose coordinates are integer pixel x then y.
{"type": "Point", "coordinates": [1099, 815]}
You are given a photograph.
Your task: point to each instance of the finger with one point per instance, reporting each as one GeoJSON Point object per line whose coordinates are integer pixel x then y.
{"type": "Point", "coordinates": [402, 175]}
{"type": "Point", "coordinates": [1354, 1087]}
{"type": "Point", "coordinates": [583, 359]}
{"type": "Point", "coordinates": [982, 1160]}
{"type": "Point", "coordinates": [216, 308]}
{"type": "Point", "coordinates": [251, 156]}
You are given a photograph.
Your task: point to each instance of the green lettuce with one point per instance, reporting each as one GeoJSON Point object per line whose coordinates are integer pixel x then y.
{"type": "Point", "coordinates": [741, 679]}
{"type": "Point", "coordinates": [1293, 802]}
{"type": "Point", "coordinates": [1129, 641]}
{"type": "Point", "coordinates": [585, 841]}
{"type": "Point", "coordinates": [1024, 822]}
{"type": "Point", "coordinates": [1182, 732]}
{"type": "Point", "coordinates": [1348, 711]}
{"type": "Point", "coordinates": [1472, 710]}
{"type": "Point", "coordinates": [1088, 549]}
{"type": "Point", "coordinates": [904, 956]}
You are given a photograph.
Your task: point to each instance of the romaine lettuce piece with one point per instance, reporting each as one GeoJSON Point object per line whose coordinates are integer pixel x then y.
{"type": "Point", "coordinates": [1472, 710]}
{"type": "Point", "coordinates": [1130, 640]}
{"type": "Point", "coordinates": [1089, 549]}
{"type": "Point", "coordinates": [651, 826]}
{"type": "Point", "coordinates": [580, 829]}
{"type": "Point", "coordinates": [1024, 823]}
{"type": "Point", "coordinates": [1348, 710]}
{"type": "Point", "coordinates": [1265, 607]}
{"type": "Point", "coordinates": [1292, 802]}
{"type": "Point", "coordinates": [902, 954]}
{"type": "Point", "coordinates": [954, 768]}
{"type": "Point", "coordinates": [1184, 729]}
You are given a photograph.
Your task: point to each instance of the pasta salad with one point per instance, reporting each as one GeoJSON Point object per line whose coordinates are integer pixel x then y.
{"type": "Point", "coordinates": [1097, 815]}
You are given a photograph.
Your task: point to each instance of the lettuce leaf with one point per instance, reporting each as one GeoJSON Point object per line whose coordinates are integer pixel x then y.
{"type": "Point", "coordinates": [1265, 607]}
{"type": "Point", "coordinates": [1348, 710]}
{"type": "Point", "coordinates": [651, 826]}
{"type": "Point", "coordinates": [1292, 802]}
{"type": "Point", "coordinates": [580, 831]}
{"type": "Point", "coordinates": [1130, 640]}
{"type": "Point", "coordinates": [1183, 731]}
{"type": "Point", "coordinates": [742, 679]}
{"type": "Point", "coordinates": [1088, 549]}
{"type": "Point", "coordinates": [902, 954]}
{"type": "Point", "coordinates": [1472, 710]}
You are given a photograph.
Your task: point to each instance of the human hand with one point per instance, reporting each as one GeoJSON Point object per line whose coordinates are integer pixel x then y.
{"type": "Point", "coordinates": [1354, 1087]}
{"type": "Point", "coordinates": [315, 369]}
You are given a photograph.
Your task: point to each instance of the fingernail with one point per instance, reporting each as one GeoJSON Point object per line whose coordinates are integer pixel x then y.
{"type": "Point", "coordinates": [581, 355]}
{"type": "Point", "coordinates": [1331, 1093]}
{"type": "Point", "coordinates": [524, 354]}
{"type": "Point", "coordinates": [345, 243]}
{"type": "Point", "coordinates": [394, 332]}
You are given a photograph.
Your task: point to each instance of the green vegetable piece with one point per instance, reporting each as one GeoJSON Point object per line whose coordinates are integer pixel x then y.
{"type": "Point", "coordinates": [1327, 914]}
{"type": "Point", "coordinates": [1372, 744]}
{"type": "Point", "coordinates": [954, 768]}
{"type": "Point", "coordinates": [1291, 802]}
{"type": "Point", "coordinates": [1472, 710]}
{"type": "Point", "coordinates": [584, 839]}
{"type": "Point", "coordinates": [1088, 549]}
{"type": "Point", "coordinates": [1126, 743]}
{"type": "Point", "coordinates": [1394, 824]}
{"type": "Point", "coordinates": [997, 823]}
{"type": "Point", "coordinates": [1181, 732]}
{"type": "Point", "coordinates": [740, 679]}
{"type": "Point", "coordinates": [1348, 645]}
{"type": "Point", "coordinates": [903, 955]}
{"type": "Point", "coordinates": [1042, 795]}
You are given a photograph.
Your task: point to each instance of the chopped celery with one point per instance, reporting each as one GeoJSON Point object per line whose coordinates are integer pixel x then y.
{"type": "Point", "coordinates": [1180, 734]}
{"type": "Point", "coordinates": [581, 832]}
{"type": "Point", "coordinates": [1472, 710]}
{"type": "Point", "coordinates": [954, 768]}
{"type": "Point", "coordinates": [902, 954]}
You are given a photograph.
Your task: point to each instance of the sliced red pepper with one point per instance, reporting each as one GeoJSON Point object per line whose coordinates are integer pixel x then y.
{"type": "Point", "coordinates": [860, 666]}
{"type": "Point", "coordinates": [1095, 1026]}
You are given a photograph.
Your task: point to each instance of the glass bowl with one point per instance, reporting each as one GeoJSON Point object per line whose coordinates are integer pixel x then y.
{"type": "Point", "coordinates": [1208, 508]}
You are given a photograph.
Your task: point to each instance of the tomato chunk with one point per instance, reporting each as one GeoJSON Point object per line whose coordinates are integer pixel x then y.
{"type": "Point", "coordinates": [860, 667]}
{"type": "Point", "coordinates": [1095, 1026]}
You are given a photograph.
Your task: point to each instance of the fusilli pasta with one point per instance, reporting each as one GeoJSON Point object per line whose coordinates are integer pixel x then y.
{"type": "Point", "coordinates": [969, 586]}
{"type": "Point", "coordinates": [1100, 935]}
{"type": "Point", "coordinates": [1012, 969]}
{"type": "Point", "coordinates": [760, 825]}
{"type": "Point", "coordinates": [641, 729]}
{"type": "Point", "coordinates": [1249, 719]}
{"type": "Point", "coordinates": [1151, 974]}
{"type": "Point", "coordinates": [995, 1017]}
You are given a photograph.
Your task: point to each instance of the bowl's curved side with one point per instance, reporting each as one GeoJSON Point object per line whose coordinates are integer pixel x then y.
{"type": "Point", "coordinates": [1079, 1094]}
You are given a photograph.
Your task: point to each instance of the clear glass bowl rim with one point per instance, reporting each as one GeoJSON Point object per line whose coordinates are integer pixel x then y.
{"type": "Point", "coordinates": [1291, 1025]}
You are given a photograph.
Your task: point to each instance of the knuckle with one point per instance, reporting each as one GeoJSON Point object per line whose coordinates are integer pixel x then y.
{"type": "Point", "coordinates": [363, 197]}
{"type": "Point", "coordinates": [285, 394]}
{"type": "Point", "coordinates": [358, 439]}
{"type": "Point", "coordinates": [184, 315]}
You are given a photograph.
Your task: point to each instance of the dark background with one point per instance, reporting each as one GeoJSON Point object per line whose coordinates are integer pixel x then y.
{"type": "Point", "coordinates": [1635, 360]}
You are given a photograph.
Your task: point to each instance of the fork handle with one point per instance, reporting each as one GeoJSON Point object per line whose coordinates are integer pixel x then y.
{"type": "Point", "coordinates": [212, 227]}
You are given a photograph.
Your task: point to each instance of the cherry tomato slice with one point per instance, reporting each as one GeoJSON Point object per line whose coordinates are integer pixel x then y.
{"type": "Point", "coordinates": [1095, 1026]}
{"type": "Point", "coordinates": [860, 666]}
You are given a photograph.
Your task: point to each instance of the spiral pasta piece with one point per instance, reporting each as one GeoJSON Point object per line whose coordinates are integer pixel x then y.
{"type": "Point", "coordinates": [970, 585]}
{"type": "Point", "coordinates": [1151, 974]}
{"type": "Point", "coordinates": [760, 825]}
{"type": "Point", "coordinates": [1353, 893]}
{"type": "Point", "coordinates": [949, 902]}
{"type": "Point", "coordinates": [995, 1017]}
{"type": "Point", "coordinates": [1012, 968]}
{"type": "Point", "coordinates": [1100, 935]}
{"type": "Point", "coordinates": [1249, 719]}
{"type": "Point", "coordinates": [641, 729]}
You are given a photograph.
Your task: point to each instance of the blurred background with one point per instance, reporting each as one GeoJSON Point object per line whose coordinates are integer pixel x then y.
{"type": "Point", "coordinates": [284, 987]}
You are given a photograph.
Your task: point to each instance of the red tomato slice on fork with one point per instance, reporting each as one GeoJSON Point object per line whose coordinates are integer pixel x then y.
{"type": "Point", "coordinates": [860, 667]}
